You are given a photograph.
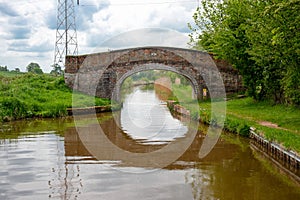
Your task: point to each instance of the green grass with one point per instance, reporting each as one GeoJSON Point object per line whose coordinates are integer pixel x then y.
{"type": "Point", "coordinates": [183, 95]}
{"type": "Point", "coordinates": [10, 74]}
{"type": "Point", "coordinates": [287, 117]}
{"type": "Point", "coordinates": [30, 95]}
{"type": "Point", "coordinates": [182, 92]}
{"type": "Point", "coordinates": [243, 113]}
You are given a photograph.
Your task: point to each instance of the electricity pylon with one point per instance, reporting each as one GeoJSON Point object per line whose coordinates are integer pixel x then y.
{"type": "Point", "coordinates": [66, 36]}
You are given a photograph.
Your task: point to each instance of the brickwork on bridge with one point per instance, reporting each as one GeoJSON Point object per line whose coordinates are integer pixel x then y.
{"type": "Point", "coordinates": [102, 74]}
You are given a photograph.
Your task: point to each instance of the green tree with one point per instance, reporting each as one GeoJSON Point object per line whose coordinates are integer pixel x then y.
{"type": "Point", "coordinates": [261, 38]}
{"type": "Point", "coordinates": [34, 68]}
{"type": "Point", "coordinates": [221, 30]}
{"type": "Point", "coordinates": [56, 70]}
{"type": "Point", "coordinates": [4, 68]}
{"type": "Point", "coordinates": [275, 40]}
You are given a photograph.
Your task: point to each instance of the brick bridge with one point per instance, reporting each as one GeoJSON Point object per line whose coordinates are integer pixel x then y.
{"type": "Point", "coordinates": [102, 74]}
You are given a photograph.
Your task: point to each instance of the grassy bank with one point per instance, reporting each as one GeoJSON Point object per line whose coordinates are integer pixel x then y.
{"type": "Point", "coordinates": [26, 95]}
{"type": "Point", "coordinates": [278, 123]}
{"type": "Point", "coordinates": [183, 95]}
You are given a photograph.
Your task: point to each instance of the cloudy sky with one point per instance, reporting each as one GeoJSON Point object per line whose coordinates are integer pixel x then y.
{"type": "Point", "coordinates": [28, 27]}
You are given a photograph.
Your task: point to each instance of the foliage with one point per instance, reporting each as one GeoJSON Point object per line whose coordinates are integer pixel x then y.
{"type": "Point", "coordinates": [12, 106]}
{"type": "Point", "coordinates": [16, 70]}
{"type": "Point", "coordinates": [4, 68]}
{"type": "Point", "coordinates": [34, 68]}
{"type": "Point", "coordinates": [261, 38]}
{"type": "Point", "coordinates": [6, 74]}
{"type": "Point", "coordinates": [57, 71]}
{"type": "Point", "coordinates": [33, 95]}
{"type": "Point", "coordinates": [149, 75]}
{"type": "Point", "coordinates": [152, 75]}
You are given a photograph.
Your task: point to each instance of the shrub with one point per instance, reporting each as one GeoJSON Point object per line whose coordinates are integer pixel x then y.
{"type": "Point", "coordinates": [237, 126]}
{"type": "Point", "coordinates": [231, 125]}
{"type": "Point", "coordinates": [243, 129]}
{"type": "Point", "coordinates": [12, 107]}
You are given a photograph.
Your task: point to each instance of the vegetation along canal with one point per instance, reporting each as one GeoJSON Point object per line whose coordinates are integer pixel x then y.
{"type": "Point", "coordinates": [51, 158]}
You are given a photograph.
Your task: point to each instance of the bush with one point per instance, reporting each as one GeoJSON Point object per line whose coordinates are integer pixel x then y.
{"type": "Point", "coordinates": [12, 107]}
{"type": "Point", "coordinates": [237, 126]}
{"type": "Point", "coordinates": [243, 129]}
{"type": "Point", "coordinates": [231, 125]}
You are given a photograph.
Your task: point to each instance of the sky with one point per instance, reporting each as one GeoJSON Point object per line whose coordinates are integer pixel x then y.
{"type": "Point", "coordinates": [28, 27]}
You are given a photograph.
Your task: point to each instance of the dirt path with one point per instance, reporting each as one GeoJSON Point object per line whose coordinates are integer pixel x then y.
{"type": "Point", "coordinates": [264, 123]}
{"type": "Point", "coordinates": [272, 125]}
{"type": "Point", "coordinates": [269, 124]}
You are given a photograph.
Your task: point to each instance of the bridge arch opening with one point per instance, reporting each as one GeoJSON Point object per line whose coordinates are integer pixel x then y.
{"type": "Point", "coordinates": [153, 66]}
{"type": "Point", "coordinates": [167, 85]}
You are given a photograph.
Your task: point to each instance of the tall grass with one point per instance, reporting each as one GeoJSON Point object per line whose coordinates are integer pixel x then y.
{"type": "Point", "coordinates": [31, 95]}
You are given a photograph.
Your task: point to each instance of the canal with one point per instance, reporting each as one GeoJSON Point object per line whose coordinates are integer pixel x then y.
{"type": "Point", "coordinates": [139, 152]}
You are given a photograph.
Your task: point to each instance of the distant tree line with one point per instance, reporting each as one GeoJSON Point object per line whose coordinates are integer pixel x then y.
{"type": "Point", "coordinates": [5, 69]}
{"type": "Point", "coordinates": [36, 69]}
{"type": "Point", "coordinates": [152, 75]}
{"type": "Point", "coordinates": [260, 38]}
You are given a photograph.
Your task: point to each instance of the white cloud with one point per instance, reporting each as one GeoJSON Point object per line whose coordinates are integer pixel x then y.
{"type": "Point", "coordinates": [27, 31]}
{"type": "Point", "coordinates": [146, 37]}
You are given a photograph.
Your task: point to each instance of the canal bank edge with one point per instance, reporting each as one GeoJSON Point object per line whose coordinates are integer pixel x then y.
{"type": "Point", "coordinates": [288, 160]}
{"type": "Point", "coordinates": [93, 109]}
{"type": "Point", "coordinates": [88, 110]}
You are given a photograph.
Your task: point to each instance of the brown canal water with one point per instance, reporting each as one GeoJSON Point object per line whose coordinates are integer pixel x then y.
{"type": "Point", "coordinates": [129, 156]}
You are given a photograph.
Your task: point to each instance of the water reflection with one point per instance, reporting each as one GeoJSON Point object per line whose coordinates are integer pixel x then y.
{"type": "Point", "coordinates": [146, 118]}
